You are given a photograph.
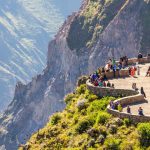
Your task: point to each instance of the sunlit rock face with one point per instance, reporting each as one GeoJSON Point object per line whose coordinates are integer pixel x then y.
{"type": "Point", "coordinates": [26, 27]}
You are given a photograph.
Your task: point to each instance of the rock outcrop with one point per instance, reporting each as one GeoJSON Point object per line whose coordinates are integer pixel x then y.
{"type": "Point", "coordinates": [33, 103]}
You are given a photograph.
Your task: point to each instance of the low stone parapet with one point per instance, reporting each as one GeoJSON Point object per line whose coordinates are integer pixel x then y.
{"type": "Point", "coordinates": [119, 73]}
{"type": "Point", "coordinates": [105, 91]}
{"type": "Point", "coordinates": [141, 60]}
{"type": "Point", "coordinates": [135, 118]}
{"type": "Point", "coordinates": [128, 101]}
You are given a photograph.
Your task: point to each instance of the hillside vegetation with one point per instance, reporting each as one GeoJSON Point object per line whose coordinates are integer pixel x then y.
{"type": "Point", "coordinates": [85, 124]}
{"type": "Point", "coordinates": [92, 21]}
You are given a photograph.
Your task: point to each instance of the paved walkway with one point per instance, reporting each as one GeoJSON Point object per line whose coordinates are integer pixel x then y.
{"type": "Point", "coordinates": [141, 81]}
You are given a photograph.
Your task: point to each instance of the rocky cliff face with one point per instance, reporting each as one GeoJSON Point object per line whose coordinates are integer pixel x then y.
{"type": "Point", "coordinates": [120, 32]}
{"type": "Point", "coordinates": [23, 46]}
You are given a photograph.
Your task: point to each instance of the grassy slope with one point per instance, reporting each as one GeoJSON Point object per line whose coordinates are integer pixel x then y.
{"type": "Point", "coordinates": [85, 124]}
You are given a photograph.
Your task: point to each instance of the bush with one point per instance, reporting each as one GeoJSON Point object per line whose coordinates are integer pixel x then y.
{"type": "Point", "coordinates": [102, 117]}
{"type": "Point", "coordinates": [82, 80]}
{"type": "Point", "coordinates": [120, 108]}
{"type": "Point", "coordinates": [55, 119]}
{"type": "Point", "coordinates": [97, 105]}
{"type": "Point", "coordinates": [112, 144]}
{"type": "Point", "coordinates": [81, 89]}
{"type": "Point", "coordinates": [68, 98]}
{"type": "Point", "coordinates": [113, 129]}
{"type": "Point", "coordinates": [92, 97]}
{"type": "Point", "coordinates": [127, 145]}
{"type": "Point", "coordinates": [83, 125]}
{"type": "Point", "coordinates": [127, 122]}
{"type": "Point", "coordinates": [144, 132]}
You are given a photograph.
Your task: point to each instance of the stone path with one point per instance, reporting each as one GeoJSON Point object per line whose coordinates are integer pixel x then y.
{"type": "Point", "coordinates": [141, 81]}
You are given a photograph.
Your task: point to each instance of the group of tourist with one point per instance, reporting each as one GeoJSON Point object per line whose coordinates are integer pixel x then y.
{"type": "Point", "coordinates": [117, 106]}
{"type": "Point", "coordinates": [100, 80]}
{"type": "Point", "coordinates": [123, 62]}
{"type": "Point", "coordinates": [99, 77]}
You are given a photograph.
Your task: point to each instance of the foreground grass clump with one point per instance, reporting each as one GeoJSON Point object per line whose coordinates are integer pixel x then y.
{"type": "Point", "coordinates": [85, 124]}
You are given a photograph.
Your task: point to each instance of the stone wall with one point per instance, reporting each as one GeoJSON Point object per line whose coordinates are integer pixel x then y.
{"type": "Point", "coordinates": [105, 91]}
{"type": "Point", "coordinates": [134, 118]}
{"type": "Point", "coordinates": [141, 61]}
{"type": "Point", "coordinates": [121, 73]}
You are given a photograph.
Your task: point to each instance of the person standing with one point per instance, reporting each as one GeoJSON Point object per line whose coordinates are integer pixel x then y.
{"type": "Point", "coordinates": [128, 109]}
{"type": "Point", "coordinates": [142, 92]}
{"type": "Point", "coordinates": [140, 111]}
{"type": "Point", "coordinates": [138, 70]}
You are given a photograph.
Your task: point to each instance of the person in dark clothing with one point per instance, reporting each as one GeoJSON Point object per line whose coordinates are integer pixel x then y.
{"type": "Point", "coordinates": [126, 61]}
{"type": "Point", "coordinates": [108, 84]}
{"type": "Point", "coordinates": [113, 86]}
{"type": "Point", "coordinates": [140, 111]}
{"type": "Point", "coordinates": [128, 109]}
{"type": "Point", "coordinates": [104, 77]}
{"type": "Point", "coordinates": [114, 70]}
{"type": "Point", "coordinates": [140, 56]}
{"type": "Point", "coordinates": [148, 72]}
{"type": "Point", "coordinates": [142, 92]}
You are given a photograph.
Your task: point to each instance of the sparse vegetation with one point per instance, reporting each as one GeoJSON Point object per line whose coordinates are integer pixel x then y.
{"type": "Point", "coordinates": [92, 22]}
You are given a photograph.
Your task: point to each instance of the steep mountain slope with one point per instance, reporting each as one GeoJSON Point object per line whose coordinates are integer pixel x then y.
{"type": "Point", "coordinates": [25, 29]}
{"type": "Point", "coordinates": [85, 124]}
{"type": "Point", "coordinates": [101, 29]}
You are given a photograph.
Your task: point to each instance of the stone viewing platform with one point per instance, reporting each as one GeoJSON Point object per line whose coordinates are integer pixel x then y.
{"type": "Point", "coordinates": [123, 89]}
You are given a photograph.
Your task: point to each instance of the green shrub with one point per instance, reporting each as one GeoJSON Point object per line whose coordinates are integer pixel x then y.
{"type": "Point", "coordinates": [120, 108]}
{"type": "Point", "coordinates": [127, 145]}
{"type": "Point", "coordinates": [81, 89]}
{"type": "Point", "coordinates": [113, 129]}
{"type": "Point", "coordinates": [127, 122]}
{"type": "Point", "coordinates": [144, 132]}
{"type": "Point", "coordinates": [55, 119]}
{"type": "Point", "coordinates": [112, 144]}
{"type": "Point", "coordinates": [97, 105]}
{"type": "Point", "coordinates": [92, 97]}
{"type": "Point", "coordinates": [102, 118]}
{"type": "Point", "coordinates": [83, 125]}
{"type": "Point", "coordinates": [82, 80]}
{"type": "Point", "coordinates": [69, 98]}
